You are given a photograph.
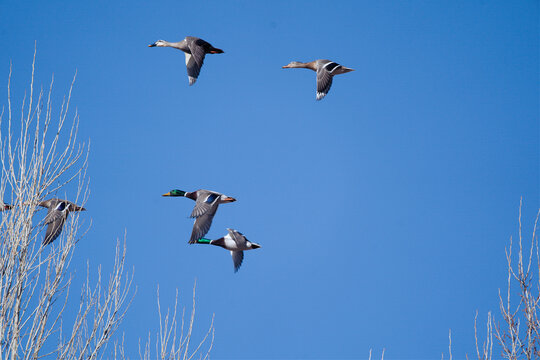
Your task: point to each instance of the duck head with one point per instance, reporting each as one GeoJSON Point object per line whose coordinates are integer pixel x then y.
{"type": "Point", "coordinates": [76, 208]}
{"type": "Point", "coordinates": [158, 43]}
{"type": "Point", "coordinates": [175, 192]}
{"type": "Point", "coordinates": [226, 199]}
{"type": "Point", "coordinates": [344, 70]}
{"type": "Point", "coordinates": [293, 64]}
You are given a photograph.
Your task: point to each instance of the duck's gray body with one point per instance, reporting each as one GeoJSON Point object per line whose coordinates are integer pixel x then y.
{"type": "Point", "coordinates": [56, 217]}
{"type": "Point", "coordinates": [236, 243]}
{"type": "Point", "coordinates": [195, 50]}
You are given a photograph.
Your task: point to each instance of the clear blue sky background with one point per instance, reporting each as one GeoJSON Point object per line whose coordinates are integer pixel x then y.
{"type": "Point", "coordinates": [383, 210]}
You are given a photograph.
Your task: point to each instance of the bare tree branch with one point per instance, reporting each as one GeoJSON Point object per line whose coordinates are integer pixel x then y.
{"type": "Point", "coordinates": [35, 279]}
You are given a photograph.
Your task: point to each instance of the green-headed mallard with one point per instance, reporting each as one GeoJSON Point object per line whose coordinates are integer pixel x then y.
{"type": "Point", "coordinates": [206, 204]}
{"type": "Point", "coordinates": [56, 217]}
{"type": "Point", "coordinates": [195, 49]}
{"type": "Point", "coordinates": [325, 69]}
{"type": "Point", "coordinates": [235, 242]}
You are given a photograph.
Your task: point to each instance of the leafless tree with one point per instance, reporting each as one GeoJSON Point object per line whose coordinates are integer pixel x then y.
{"type": "Point", "coordinates": [172, 342]}
{"type": "Point", "coordinates": [517, 335]}
{"type": "Point", "coordinates": [40, 156]}
{"type": "Point", "coordinates": [382, 354]}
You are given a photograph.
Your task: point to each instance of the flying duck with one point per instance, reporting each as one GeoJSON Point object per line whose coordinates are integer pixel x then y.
{"type": "Point", "coordinates": [56, 217]}
{"type": "Point", "coordinates": [4, 206]}
{"type": "Point", "coordinates": [235, 242]}
{"type": "Point", "coordinates": [195, 49]}
{"type": "Point", "coordinates": [325, 70]}
{"type": "Point", "coordinates": [206, 204]}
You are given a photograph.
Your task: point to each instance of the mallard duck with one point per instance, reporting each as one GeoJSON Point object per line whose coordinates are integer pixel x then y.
{"type": "Point", "coordinates": [56, 217]}
{"type": "Point", "coordinates": [325, 69]}
{"type": "Point", "coordinates": [195, 49]}
{"type": "Point", "coordinates": [4, 206]}
{"type": "Point", "coordinates": [235, 242]}
{"type": "Point", "coordinates": [206, 204]}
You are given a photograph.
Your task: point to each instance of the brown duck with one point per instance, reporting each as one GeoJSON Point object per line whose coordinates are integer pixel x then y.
{"type": "Point", "coordinates": [56, 217]}
{"type": "Point", "coordinates": [325, 70]}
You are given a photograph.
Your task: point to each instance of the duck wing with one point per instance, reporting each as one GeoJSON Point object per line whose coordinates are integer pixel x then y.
{"type": "Point", "coordinates": [325, 74]}
{"type": "Point", "coordinates": [237, 258]}
{"type": "Point", "coordinates": [193, 69]}
{"type": "Point", "coordinates": [195, 60]}
{"type": "Point", "coordinates": [56, 216]}
{"type": "Point", "coordinates": [206, 201]}
{"type": "Point", "coordinates": [324, 82]}
{"type": "Point", "coordinates": [202, 225]}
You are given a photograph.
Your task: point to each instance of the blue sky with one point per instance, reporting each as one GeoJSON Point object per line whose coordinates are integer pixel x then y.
{"type": "Point", "coordinates": [382, 210]}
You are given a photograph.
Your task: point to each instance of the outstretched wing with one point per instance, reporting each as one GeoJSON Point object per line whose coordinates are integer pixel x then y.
{"type": "Point", "coordinates": [202, 225]}
{"type": "Point", "coordinates": [237, 258]}
{"type": "Point", "coordinates": [53, 231]}
{"type": "Point", "coordinates": [324, 83]}
{"type": "Point", "coordinates": [193, 69]}
{"type": "Point", "coordinates": [325, 74]}
{"type": "Point", "coordinates": [206, 201]}
{"type": "Point", "coordinates": [56, 216]}
{"type": "Point", "coordinates": [195, 60]}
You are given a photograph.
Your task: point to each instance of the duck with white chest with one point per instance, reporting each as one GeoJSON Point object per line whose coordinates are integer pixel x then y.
{"type": "Point", "coordinates": [236, 243]}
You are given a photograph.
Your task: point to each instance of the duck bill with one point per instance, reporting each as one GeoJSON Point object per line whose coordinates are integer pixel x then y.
{"type": "Point", "coordinates": [167, 194]}
{"type": "Point", "coordinates": [229, 199]}
{"type": "Point", "coordinates": [152, 45]}
{"type": "Point", "coordinates": [285, 67]}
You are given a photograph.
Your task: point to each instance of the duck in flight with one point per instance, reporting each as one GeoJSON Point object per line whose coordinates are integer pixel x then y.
{"type": "Point", "coordinates": [56, 217]}
{"type": "Point", "coordinates": [235, 242]}
{"type": "Point", "coordinates": [325, 70]}
{"type": "Point", "coordinates": [195, 50]}
{"type": "Point", "coordinates": [206, 204]}
{"type": "Point", "coordinates": [4, 206]}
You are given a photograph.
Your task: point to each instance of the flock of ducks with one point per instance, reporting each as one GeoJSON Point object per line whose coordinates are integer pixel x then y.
{"type": "Point", "coordinates": [195, 50]}
{"type": "Point", "coordinates": [206, 201]}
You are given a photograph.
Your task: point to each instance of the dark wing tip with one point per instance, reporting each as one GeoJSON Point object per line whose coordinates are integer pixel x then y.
{"type": "Point", "coordinates": [237, 267]}
{"type": "Point", "coordinates": [54, 229]}
{"type": "Point", "coordinates": [238, 258]}
{"type": "Point", "coordinates": [49, 238]}
{"type": "Point", "coordinates": [195, 235]}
